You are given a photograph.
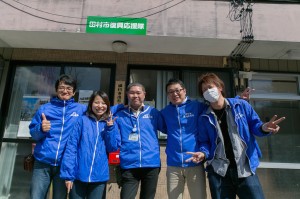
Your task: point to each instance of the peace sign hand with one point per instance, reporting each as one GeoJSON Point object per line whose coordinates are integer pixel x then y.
{"type": "Point", "coordinates": [110, 121]}
{"type": "Point", "coordinates": [272, 126]}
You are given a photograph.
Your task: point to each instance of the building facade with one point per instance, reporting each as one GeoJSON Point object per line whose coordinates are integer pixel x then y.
{"type": "Point", "coordinates": [257, 47]}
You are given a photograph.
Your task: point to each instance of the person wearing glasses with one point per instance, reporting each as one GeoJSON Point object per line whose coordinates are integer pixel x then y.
{"type": "Point", "coordinates": [227, 130]}
{"type": "Point", "coordinates": [181, 117]}
{"type": "Point", "coordinates": [50, 127]}
{"type": "Point", "coordinates": [139, 152]}
{"type": "Point", "coordinates": [181, 120]}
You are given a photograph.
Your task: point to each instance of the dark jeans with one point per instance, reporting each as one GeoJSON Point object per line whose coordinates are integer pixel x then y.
{"type": "Point", "coordinates": [230, 186]}
{"type": "Point", "coordinates": [42, 176]}
{"type": "Point", "coordinates": [82, 190]}
{"type": "Point", "coordinates": [131, 179]}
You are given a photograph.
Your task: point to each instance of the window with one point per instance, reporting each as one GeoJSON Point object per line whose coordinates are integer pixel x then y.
{"type": "Point", "coordinates": [1, 78]}
{"type": "Point", "coordinates": [34, 85]}
{"type": "Point", "coordinates": [278, 94]}
{"type": "Point", "coordinates": [155, 80]}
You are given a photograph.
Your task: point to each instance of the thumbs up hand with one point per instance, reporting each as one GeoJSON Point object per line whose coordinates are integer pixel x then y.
{"type": "Point", "coordinates": [46, 125]}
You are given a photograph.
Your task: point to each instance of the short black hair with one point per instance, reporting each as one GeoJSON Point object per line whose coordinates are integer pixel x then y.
{"type": "Point", "coordinates": [135, 84]}
{"type": "Point", "coordinates": [174, 81]}
{"type": "Point", "coordinates": [68, 80]}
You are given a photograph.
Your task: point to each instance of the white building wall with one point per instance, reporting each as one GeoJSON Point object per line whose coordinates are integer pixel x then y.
{"type": "Point", "coordinates": [199, 19]}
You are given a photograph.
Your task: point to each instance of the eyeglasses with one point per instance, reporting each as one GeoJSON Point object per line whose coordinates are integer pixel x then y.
{"type": "Point", "coordinates": [177, 91]}
{"type": "Point", "coordinates": [68, 89]}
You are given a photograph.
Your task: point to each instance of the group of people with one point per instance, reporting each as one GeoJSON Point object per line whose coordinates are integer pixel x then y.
{"type": "Point", "coordinates": [73, 141]}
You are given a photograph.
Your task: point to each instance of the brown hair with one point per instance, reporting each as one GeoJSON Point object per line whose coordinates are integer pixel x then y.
{"type": "Point", "coordinates": [210, 78]}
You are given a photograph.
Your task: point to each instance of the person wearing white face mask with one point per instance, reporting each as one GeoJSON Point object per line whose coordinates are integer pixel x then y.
{"type": "Point", "coordinates": [226, 137]}
{"type": "Point", "coordinates": [211, 95]}
{"type": "Point", "coordinates": [181, 116]}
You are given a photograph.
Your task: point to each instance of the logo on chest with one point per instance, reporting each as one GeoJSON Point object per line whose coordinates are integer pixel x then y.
{"type": "Point", "coordinates": [239, 116]}
{"type": "Point", "coordinates": [147, 116]}
{"type": "Point", "coordinates": [74, 114]}
{"type": "Point", "coordinates": [187, 115]}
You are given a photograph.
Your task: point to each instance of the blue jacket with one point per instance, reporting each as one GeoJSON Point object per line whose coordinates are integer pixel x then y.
{"type": "Point", "coordinates": [85, 157]}
{"type": "Point", "coordinates": [62, 115]}
{"type": "Point", "coordinates": [248, 124]}
{"type": "Point", "coordinates": [145, 151]}
{"type": "Point", "coordinates": [182, 131]}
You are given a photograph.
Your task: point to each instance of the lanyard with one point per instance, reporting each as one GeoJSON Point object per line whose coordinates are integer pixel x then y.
{"type": "Point", "coordinates": [134, 129]}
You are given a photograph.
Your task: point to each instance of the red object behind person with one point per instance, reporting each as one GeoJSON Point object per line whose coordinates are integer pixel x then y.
{"type": "Point", "coordinates": [113, 158]}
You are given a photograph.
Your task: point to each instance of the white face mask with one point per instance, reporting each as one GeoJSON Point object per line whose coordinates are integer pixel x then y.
{"type": "Point", "coordinates": [211, 95]}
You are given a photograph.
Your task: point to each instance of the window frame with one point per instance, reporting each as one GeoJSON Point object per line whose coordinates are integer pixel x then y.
{"type": "Point", "coordinates": [274, 97]}
{"type": "Point", "coordinates": [10, 81]}
{"type": "Point", "coordinates": [181, 70]}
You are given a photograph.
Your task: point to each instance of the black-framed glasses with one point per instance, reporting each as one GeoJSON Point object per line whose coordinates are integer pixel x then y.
{"type": "Point", "coordinates": [62, 88]}
{"type": "Point", "coordinates": [176, 91]}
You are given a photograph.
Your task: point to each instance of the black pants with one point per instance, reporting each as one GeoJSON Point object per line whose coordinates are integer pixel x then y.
{"type": "Point", "coordinates": [131, 179]}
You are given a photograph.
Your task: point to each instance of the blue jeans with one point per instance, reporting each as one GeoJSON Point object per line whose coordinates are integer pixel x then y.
{"type": "Point", "coordinates": [230, 186]}
{"type": "Point", "coordinates": [42, 176]}
{"type": "Point", "coordinates": [82, 190]}
{"type": "Point", "coordinates": [131, 179]}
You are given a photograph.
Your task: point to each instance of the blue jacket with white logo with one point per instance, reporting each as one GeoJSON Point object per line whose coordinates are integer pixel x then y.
{"type": "Point", "coordinates": [139, 142]}
{"type": "Point", "coordinates": [248, 125]}
{"type": "Point", "coordinates": [182, 130]}
{"type": "Point", "coordinates": [85, 157]}
{"type": "Point", "coordinates": [62, 115]}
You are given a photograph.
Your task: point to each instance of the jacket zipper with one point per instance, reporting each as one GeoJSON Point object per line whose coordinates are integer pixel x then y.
{"type": "Point", "coordinates": [140, 142]}
{"type": "Point", "coordinates": [95, 148]}
{"type": "Point", "coordinates": [178, 117]}
{"type": "Point", "coordinates": [61, 131]}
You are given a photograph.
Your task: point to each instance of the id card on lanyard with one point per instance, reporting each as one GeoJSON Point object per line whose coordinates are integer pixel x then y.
{"type": "Point", "coordinates": [134, 136]}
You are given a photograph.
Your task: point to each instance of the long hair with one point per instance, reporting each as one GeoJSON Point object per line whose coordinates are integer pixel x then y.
{"type": "Point", "coordinates": [210, 78]}
{"type": "Point", "coordinates": [104, 96]}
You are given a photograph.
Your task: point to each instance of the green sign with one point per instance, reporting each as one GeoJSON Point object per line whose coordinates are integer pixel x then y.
{"type": "Point", "coordinates": [113, 25]}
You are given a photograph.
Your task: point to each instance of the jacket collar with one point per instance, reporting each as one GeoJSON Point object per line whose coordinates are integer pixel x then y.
{"type": "Point", "coordinates": [227, 104]}
{"type": "Point", "coordinates": [60, 102]}
{"type": "Point", "coordinates": [141, 108]}
{"type": "Point", "coordinates": [185, 101]}
{"type": "Point", "coordinates": [94, 117]}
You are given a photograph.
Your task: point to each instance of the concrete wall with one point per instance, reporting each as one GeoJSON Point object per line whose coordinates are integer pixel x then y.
{"type": "Point", "coordinates": [199, 19]}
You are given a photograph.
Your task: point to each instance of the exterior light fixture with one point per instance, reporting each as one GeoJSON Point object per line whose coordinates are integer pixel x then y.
{"type": "Point", "coordinates": [119, 46]}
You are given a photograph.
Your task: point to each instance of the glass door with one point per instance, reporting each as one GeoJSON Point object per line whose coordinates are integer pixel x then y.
{"type": "Point", "coordinates": [34, 85]}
